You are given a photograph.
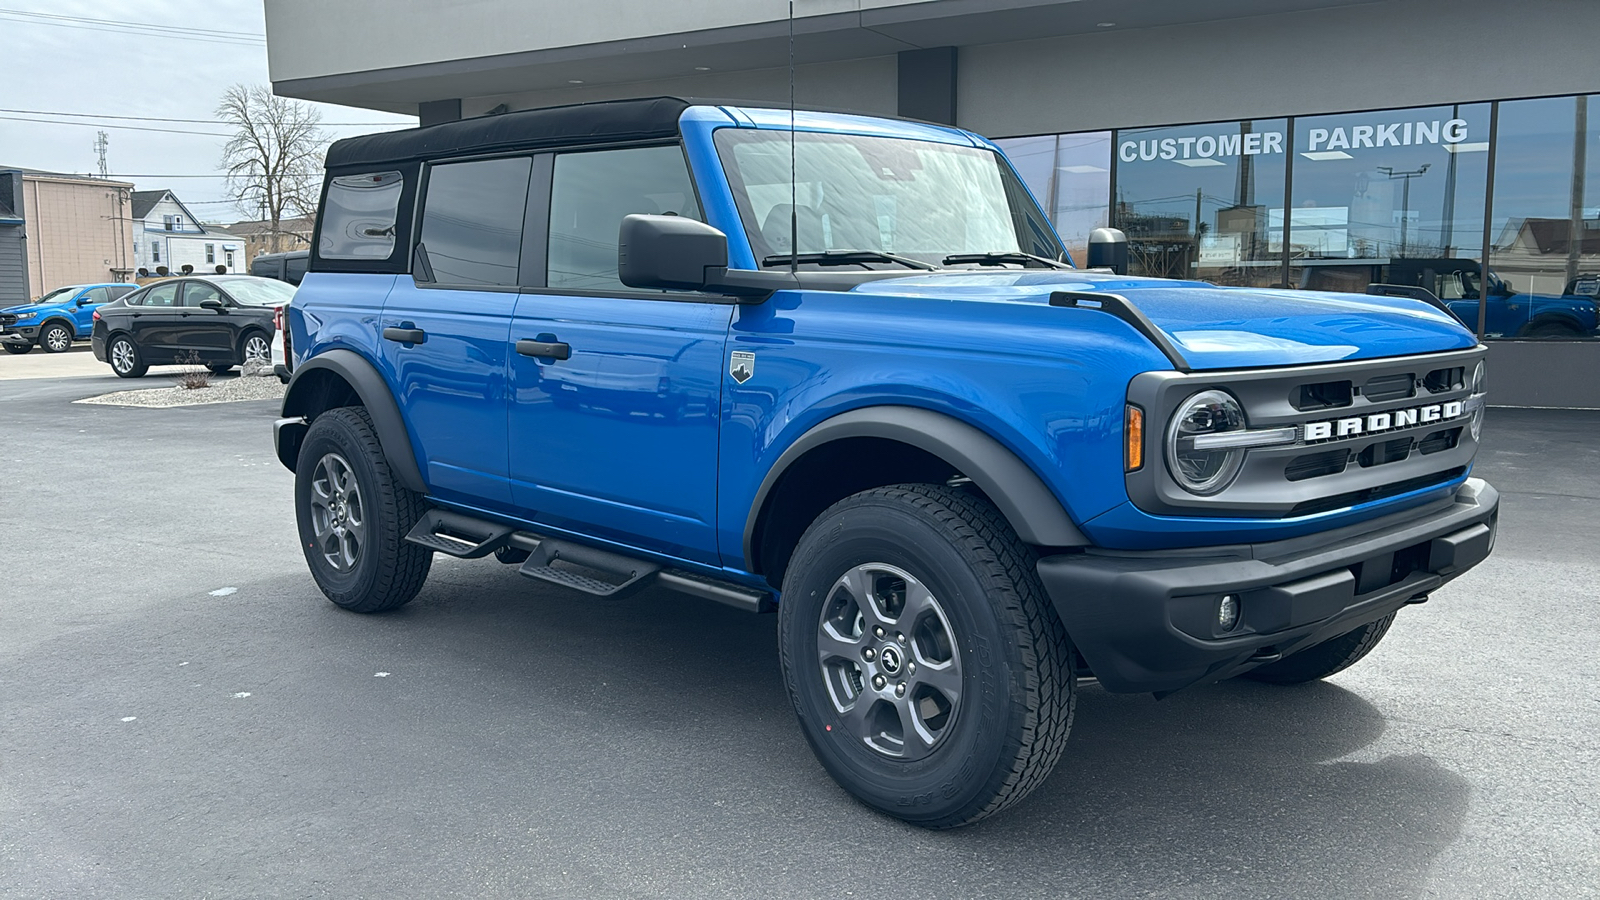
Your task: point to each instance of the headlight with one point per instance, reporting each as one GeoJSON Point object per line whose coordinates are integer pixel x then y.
{"type": "Point", "coordinates": [1478, 377]}
{"type": "Point", "coordinates": [1200, 470]}
{"type": "Point", "coordinates": [31, 315]}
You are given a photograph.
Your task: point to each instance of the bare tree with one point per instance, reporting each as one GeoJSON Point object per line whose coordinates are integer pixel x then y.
{"type": "Point", "coordinates": [274, 159]}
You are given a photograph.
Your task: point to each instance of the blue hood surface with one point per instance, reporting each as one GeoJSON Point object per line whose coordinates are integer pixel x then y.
{"type": "Point", "coordinates": [1221, 327]}
{"type": "Point", "coordinates": [34, 307]}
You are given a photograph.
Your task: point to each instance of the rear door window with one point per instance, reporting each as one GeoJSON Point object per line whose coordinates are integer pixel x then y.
{"type": "Point", "coordinates": [295, 269]}
{"type": "Point", "coordinates": [358, 216]}
{"type": "Point", "coordinates": [161, 295]}
{"type": "Point", "coordinates": [472, 221]}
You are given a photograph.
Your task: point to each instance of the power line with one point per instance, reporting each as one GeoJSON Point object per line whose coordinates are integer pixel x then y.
{"type": "Point", "coordinates": [142, 29]}
{"type": "Point", "coordinates": [48, 112]}
{"type": "Point", "coordinates": [122, 127]}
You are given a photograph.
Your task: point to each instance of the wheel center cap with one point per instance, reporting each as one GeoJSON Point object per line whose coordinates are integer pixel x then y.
{"type": "Point", "coordinates": [890, 660]}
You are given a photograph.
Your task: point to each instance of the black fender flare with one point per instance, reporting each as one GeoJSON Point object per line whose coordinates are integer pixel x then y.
{"type": "Point", "coordinates": [1014, 488]}
{"type": "Point", "coordinates": [369, 385]}
{"type": "Point", "coordinates": [71, 326]}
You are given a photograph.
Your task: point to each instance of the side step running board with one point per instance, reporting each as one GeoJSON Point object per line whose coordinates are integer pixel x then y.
{"type": "Point", "coordinates": [599, 573]}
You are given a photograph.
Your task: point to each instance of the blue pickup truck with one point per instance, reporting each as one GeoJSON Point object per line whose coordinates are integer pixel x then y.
{"type": "Point", "coordinates": [841, 368]}
{"type": "Point", "coordinates": [57, 319]}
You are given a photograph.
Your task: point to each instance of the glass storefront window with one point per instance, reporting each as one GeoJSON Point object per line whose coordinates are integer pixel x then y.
{"type": "Point", "coordinates": [1544, 252]}
{"type": "Point", "coordinates": [1196, 200]}
{"type": "Point", "coordinates": [1391, 197]}
{"type": "Point", "coordinates": [1070, 176]}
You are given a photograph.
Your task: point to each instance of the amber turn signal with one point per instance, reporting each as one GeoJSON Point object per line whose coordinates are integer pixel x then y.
{"type": "Point", "coordinates": [1133, 434]}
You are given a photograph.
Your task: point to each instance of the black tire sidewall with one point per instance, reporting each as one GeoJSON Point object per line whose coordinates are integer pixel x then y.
{"type": "Point", "coordinates": [44, 337]}
{"type": "Point", "coordinates": [336, 432]}
{"type": "Point", "coordinates": [965, 767]}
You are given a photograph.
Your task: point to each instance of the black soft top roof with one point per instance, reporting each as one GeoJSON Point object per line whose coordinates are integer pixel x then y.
{"type": "Point", "coordinates": [583, 123]}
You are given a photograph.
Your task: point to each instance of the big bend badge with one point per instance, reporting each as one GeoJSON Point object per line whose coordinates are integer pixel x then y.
{"type": "Point", "coordinates": [742, 365]}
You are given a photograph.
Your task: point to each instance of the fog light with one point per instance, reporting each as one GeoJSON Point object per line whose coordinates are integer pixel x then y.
{"type": "Point", "coordinates": [1228, 612]}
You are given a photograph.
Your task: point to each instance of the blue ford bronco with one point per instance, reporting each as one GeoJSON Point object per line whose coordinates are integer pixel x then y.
{"type": "Point", "coordinates": [844, 370]}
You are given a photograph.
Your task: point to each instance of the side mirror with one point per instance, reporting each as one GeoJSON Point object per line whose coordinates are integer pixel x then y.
{"type": "Point", "coordinates": [214, 305]}
{"type": "Point", "coordinates": [1108, 249]}
{"type": "Point", "coordinates": [668, 252]}
{"type": "Point", "coordinates": [84, 301]}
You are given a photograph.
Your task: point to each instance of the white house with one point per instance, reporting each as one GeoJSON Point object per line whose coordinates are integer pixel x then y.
{"type": "Point", "coordinates": [166, 234]}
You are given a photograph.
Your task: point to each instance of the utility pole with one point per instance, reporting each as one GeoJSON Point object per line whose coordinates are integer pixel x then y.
{"type": "Point", "coordinates": [100, 145]}
{"type": "Point", "coordinates": [1405, 198]}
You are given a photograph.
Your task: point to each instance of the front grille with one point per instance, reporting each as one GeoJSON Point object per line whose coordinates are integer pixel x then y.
{"type": "Point", "coordinates": [1364, 430]}
{"type": "Point", "coordinates": [8, 319]}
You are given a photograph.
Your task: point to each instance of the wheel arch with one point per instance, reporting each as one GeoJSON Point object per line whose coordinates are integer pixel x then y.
{"type": "Point", "coordinates": [339, 378]}
{"type": "Point", "coordinates": [68, 324]}
{"type": "Point", "coordinates": [880, 445]}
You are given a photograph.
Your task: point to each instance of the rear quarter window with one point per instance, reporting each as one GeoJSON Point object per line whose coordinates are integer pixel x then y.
{"type": "Point", "coordinates": [360, 217]}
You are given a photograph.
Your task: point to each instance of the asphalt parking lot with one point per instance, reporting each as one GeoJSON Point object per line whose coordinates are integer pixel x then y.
{"type": "Point", "coordinates": [183, 715]}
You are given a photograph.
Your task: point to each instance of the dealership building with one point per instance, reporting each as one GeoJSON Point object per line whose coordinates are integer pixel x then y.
{"type": "Point", "coordinates": [1310, 144]}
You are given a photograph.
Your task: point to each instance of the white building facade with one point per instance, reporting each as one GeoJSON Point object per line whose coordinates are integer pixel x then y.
{"type": "Point", "coordinates": [167, 235]}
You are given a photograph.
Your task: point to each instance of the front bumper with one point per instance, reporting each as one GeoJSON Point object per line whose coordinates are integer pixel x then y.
{"type": "Point", "coordinates": [1147, 620]}
{"type": "Point", "coordinates": [20, 334]}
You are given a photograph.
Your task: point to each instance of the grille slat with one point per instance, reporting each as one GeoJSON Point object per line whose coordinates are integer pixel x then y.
{"type": "Point", "coordinates": [1389, 387]}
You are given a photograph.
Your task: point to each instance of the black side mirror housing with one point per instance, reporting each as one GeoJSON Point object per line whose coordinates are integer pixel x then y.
{"type": "Point", "coordinates": [1108, 249]}
{"type": "Point", "coordinates": [214, 305]}
{"type": "Point", "coordinates": [673, 253]}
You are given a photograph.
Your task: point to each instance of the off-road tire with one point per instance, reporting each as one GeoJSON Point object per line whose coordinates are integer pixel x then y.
{"type": "Point", "coordinates": [389, 571]}
{"type": "Point", "coordinates": [1017, 684]}
{"type": "Point", "coordinates": [56, 338]}
{"type": "Point", "coordinates": [1326, 658]}
{"type": "Point", "coordinates": [17, 349]}
{"type": "Point", "coordinates": [139, 366]}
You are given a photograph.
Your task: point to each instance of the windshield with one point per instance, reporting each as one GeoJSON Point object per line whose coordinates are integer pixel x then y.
{"type": "Point", "coordinates": [264, 292]}
{"type": "Point", "coordinates": [58, 295]}
{"type": "Point", "coordinates": [916, 199]}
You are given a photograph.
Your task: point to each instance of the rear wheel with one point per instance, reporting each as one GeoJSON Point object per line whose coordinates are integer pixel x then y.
{"type": "Point", "coordinates": [123, 354]}
{"type": "Point", "coordinates": [255, 348]}
{"type": "Point", "coordinates": [354, 515]}
{"type": "Point", "coordinates": [1553, 329]}
{"type": "Point", "coordinates": [18, 349]}
{"type": "Point", "coordinates": [1325, 658]}
{"type": "Point", "coordinates": [929, 673]}
{"type": "Point", "coordinates": [56, 338]}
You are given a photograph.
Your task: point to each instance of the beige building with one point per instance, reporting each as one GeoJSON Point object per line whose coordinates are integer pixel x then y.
{"type": "Point", "coordinates": [76, 229]}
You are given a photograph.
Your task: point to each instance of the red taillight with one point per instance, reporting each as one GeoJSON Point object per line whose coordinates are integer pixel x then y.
{"type": "Point", "coordinates": [277, 318]}
{"type": "Point", "coordinates": [96, 315]}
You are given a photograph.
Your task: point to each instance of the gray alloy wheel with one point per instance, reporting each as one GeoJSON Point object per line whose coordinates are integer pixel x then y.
{"type": "Point", "coordinates": [57, 338]}
{"type": "Point", "coordinates": [338, 518]}
{"type": "Point", "coordinates": [257, 348]}
{"type": "Point", "coordinates": [124, 358]}
{"type": "Point", "coordinates": [890, 661]}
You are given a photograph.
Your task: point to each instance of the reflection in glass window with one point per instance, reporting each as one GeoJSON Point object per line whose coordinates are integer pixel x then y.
{"type": "Point", "coordinates": [1390, 197]}
{"type": "Point", "coordinates": [1544, 252]}
{"type": "Point", "coordinates": [161, 295]}
{"type": "Point", "coordinates": [472, 220]}
{"type": "Point", "coordinates": [590, 195]}
{"type": "Point", "coordinates": [1070, 176]}
{"type": "Point", "coordinates": [1196, 201]}
{"type": "Point", "coordinates": [358, 216]}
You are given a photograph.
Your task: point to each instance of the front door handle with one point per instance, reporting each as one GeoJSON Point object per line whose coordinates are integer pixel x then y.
{"type": "Point", "coordinates": [405, 335]}
{"type": "Point", "coordinates": [544, 349]}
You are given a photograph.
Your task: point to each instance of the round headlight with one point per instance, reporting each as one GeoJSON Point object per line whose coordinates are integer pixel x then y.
{"type": "Point", "coordinates": [1479, 375]}
{"type": "Point", "coordinates": [1198, 469]}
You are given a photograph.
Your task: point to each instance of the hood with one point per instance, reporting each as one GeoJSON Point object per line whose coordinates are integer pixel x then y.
{"type": "Point", "coordinates": [1222, 327]}
{"type": "Point", "coordinates": [32, 308]}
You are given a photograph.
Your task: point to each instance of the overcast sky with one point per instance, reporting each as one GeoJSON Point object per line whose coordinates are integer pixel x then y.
{"type": "Point", "coordinates": [57, 63]}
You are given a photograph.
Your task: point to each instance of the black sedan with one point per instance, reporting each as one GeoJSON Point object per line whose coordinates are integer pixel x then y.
{"type": "Point", "coordinates": [218, 321]}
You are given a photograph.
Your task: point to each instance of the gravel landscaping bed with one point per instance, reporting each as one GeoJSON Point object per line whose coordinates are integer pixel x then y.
{"type": "Point", "coordinates": [227, 390]}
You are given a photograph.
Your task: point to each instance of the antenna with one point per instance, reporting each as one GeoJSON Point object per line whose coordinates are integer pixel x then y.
{"type": "Point", "coordinates": [794, 210]}
{"type": "Point", "coordinates": [100, 145]}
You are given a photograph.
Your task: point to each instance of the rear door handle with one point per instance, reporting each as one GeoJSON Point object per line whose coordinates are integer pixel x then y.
{"type": "Point", "coordinates": [545, 349]}
{"type": "Point", "coordinates": [405, 335]}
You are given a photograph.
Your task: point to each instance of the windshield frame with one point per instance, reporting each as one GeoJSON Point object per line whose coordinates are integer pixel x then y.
{"type": "Point", "coordinates": [1031, 229]}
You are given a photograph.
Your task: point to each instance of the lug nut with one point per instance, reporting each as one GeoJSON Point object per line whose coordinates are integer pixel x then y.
{"type": "Point", "coordinates": [900, 638]}
{"type": "Point", "coordinates": [869, 654]}
{"type": "Point", "coordinates": [878, 631]}
{"type": "Point", "coordinates": [878, 682]}
{"type": "Point", "coordinates": [900, 689]}
{"type": "Point", "coordinates": [911, 668]}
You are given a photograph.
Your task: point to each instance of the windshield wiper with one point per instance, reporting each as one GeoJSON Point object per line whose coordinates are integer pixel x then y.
{"type": "Point", "coordinates": [848, 258]}
{"type": "Point", "coordinates": [998, 257]}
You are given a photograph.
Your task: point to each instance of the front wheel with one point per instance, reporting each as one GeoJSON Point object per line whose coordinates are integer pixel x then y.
{"type": "Point", "coordinates": [353, 516]}
{"type": "Point", "coordinates": [1325, 658]}
{"type": "Point", "coordinates": [56, 338]}
{"type": "Point", "coordinates": [930, 674]}
{"type": "Point", "coordinates": [17, 349]}
{"type": "Point", "coordinates": [124, 357]}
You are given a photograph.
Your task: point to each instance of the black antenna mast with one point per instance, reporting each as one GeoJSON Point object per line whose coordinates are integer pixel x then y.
{"type": "Point", "coordinates": [794, 210]}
